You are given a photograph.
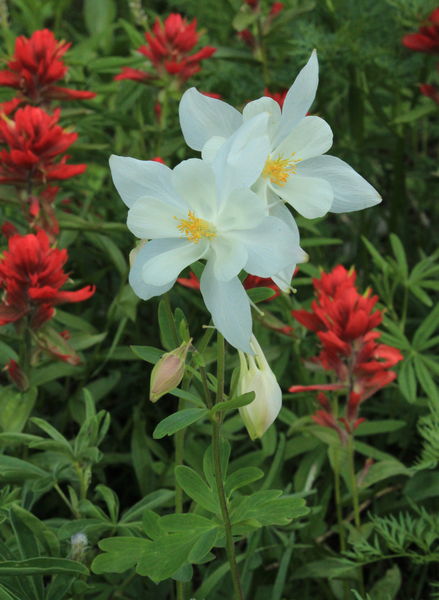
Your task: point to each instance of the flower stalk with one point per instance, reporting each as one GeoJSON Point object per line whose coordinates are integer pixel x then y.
{"type": "Point", "coordinates": [216, 436]}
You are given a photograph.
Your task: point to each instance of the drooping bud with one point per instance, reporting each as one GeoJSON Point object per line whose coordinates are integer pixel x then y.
{"type": "Point", "coordinates": [256, 376]}
{"type": "Point", "coordinates": [168, 371]}
{"type": "Point", "coordinates": [17, 375]}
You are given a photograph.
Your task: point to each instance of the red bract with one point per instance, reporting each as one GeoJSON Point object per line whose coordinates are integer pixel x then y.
{"type": "Point", "coordinates": [168, 48]}
{"type": "Point", "coordinates": [34, 141]}
{"type": "Point", "coordinates": [430, 91]}
{"type": "Point", "coordinates": [31, 275]}
{"type": "Point", "coordinates": [344, 321]}
{"type": "Point", "coordinates": [35, 67]}
{"type": "Point", "coordinates": [427, 38]}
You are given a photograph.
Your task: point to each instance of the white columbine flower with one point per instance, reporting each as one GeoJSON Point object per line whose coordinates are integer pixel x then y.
{"type": "Point", "coordinates": [297, 169]}
{"type": "Point", "coordinates": [256, 376]}
{"type": "Point", "coordinates": [206, 211]}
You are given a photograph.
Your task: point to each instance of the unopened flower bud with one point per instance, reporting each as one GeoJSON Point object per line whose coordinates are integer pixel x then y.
{"type": "Point", "coordinates": [79, 545]}
{"type": "Point", "coordinates": [17, 375]}
{"type": "Point", "coordinates": [256, 376]}
{"type": "Point", "coordinates": [168, 371]}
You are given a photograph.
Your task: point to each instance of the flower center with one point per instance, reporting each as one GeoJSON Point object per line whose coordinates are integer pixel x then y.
{"type": "Point", "coordinates": [194, 228]}
{"type": "Point", "coordinates": [279, 169]}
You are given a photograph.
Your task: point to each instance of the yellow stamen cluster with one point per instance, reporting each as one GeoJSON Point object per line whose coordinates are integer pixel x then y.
{"type": "Point", "coordinates": [194, 229]}
{"type": "Point", "coordinates": [279, 169]}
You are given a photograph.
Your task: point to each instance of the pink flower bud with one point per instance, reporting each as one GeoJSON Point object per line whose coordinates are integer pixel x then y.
{"type": "Point", "coordinates": [168, 371]}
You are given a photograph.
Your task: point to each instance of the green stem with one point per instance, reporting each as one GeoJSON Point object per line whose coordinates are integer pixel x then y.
{"type": "Point", "coordinates": [337, 494]}
{"type": "Point", "coordinates": [170, 315]}
{"type": "Point", "coordinates": [216, 439]}
{"type": "Point", "coordinates": [66, 501]}
{"type": "Point", "coordinates": [353, 480]}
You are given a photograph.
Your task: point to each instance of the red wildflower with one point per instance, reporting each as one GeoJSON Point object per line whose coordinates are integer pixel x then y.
{"type": "Point", "coordinates": [34, 141]}
{"type": "Point", "coordinates": [276, 8]}
{"type": "Point", "coordinates": [168, 48]}
{"type": "Point", "coordinates": [430, 91]}
{"type": "Point", "coordinates": [31, 275]}
{"type": "Point", "coordinates": [247, 37]}
{"type": "Point", "coordinates": [35, 67]}
{"type": "Point", "coordinates": [344, 321]}
{"type": "Point", "coordinates": [278, 96]}
{"type": "Point", "coordinates": [427, 38]}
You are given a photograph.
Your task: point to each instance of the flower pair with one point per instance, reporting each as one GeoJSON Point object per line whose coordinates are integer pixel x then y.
{"type": "Point", "coordinates": [231, 208]}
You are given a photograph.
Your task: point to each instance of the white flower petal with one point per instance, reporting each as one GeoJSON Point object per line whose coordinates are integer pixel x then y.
{"type": "Point", "coordinates": [351, 191]}
{"type": "Point", "coordinates": [140, 288]}
{"type": "Point", "coordinates": [195, 183]}
{"type": "Point", "coordinates": [299, 98]}
{"type": "Point", "coordinates": [202, 117]}
{"type": "Point", "coordinates": [212, 147]}
{"type": "Point", "coordinates": [262, 105]}
{"type": "Point", "coordinates": [311, 137]}
{"type": "Point", "coordinates": [229, 306]}
{"type": "Point", "coordinates": [151, 218]}
{"type": "Point", "coordinates": [270, 247]}
{"type": "Point", "coordinates": [136, 179]}
{"type": "Point", "coordinates": [283, 278]}
{"type": "Point", "coordinates": [228, 256]}
{"type": "Point", "coordinates": [310, 196]}
{"type": "Point", "coordinates": [175, 256]}
{"type": "Point", "coordinates": [242, 209]}
{"type": "Point", "coordinates": [242, 157]}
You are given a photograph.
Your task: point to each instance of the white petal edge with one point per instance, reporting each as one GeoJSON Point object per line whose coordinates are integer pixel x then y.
{"type": "Point", "coordinates": [311, 137]}
{"type": "Point", "coordinates": [242, 157]}
{"type": "Point", "coordinates": [140, 288]}
{"type": "Point", "coordinates": [135, 179]}
{"type": "Point", "coordinates": [202, 117]}
{"type": "Point", "coordinates": [194, 181]}
{"type": "Point", "coordinates": [176, 255]}
{"type": "Point", "coordinates": [351, 191]}
{"type": "Point", "coordinates": [267, 105]}
{"type": "Point", "coordinates": [151, 218]}
{"type": "Point", "coordinates": [310, 196]}
{"type": "Point", "coordinates": [299, 98]}
{"type": "Point", "coordinates": [229, 306]}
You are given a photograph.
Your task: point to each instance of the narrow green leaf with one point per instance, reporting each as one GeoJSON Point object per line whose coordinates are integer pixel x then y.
{"type": "Point", "coordinates": [425, 379]}
{"type": "Point", "coordinates": [259, 294]}
{"type": "Point", "coordinates": [148, 353]}
{"type": "Point", "coordinates": [242, 477]}
{"type": "Point", "coordinates": [196, 488]}
{"type": "Point", "coordinates": [42, 566]}
{"type": "Point", "coordinates": [234, 403]}
{"type": "Point", "coordinates": [426, 328]}
{"type": "Point", "coordinates": [378, 259]}
{"type": "Point", "coordinates": [399, 252]}
{"type": "Point", "coordinates": [179, 420]}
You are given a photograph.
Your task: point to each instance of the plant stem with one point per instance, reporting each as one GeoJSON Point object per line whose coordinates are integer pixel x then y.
{"type": "Point", "coordinates": [354, 488]}
{"type": "Point", "coordinates": [170, 315]}
{"type": "Point", "coordinates": [337, 495]}
{"type": "Point", "coordinates": [216, 438]}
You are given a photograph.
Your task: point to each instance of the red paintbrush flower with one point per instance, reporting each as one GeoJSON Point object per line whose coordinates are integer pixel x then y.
{"type": "Point", "coordinates": [168, 48]}
{"type": "Point", "coordinates": [427, 38]}
{"type": "Point", "coordinates": [344, 321]}
{"type": "Point", "coordinates": [35, 141]}
{"type": "Point", "coordinates": [430, 91]}
{"type": "Point", "coordinates": [31, 275]}
{"type": "Point", "coordinates": [35, 67]}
